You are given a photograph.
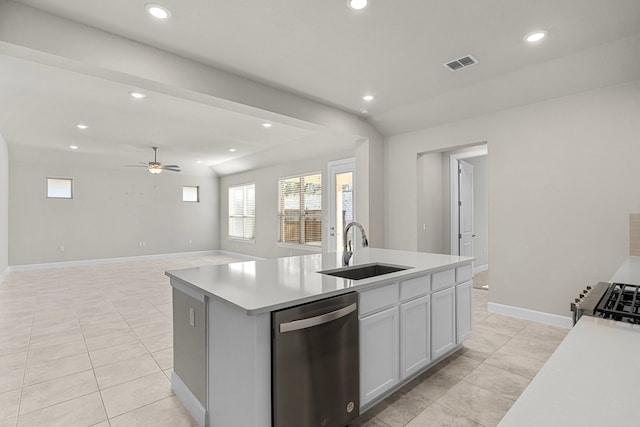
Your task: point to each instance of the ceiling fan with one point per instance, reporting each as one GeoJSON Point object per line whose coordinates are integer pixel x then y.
{"type": "Point", "coordinates": [156, 167]}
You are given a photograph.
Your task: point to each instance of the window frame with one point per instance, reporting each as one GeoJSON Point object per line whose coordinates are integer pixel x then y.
{"type": "Point", "coordinates": [243, 216]}
{"type": "Point", "coordinates": [301, 216]}
{"type": "Point", "coordinates": [59, 178]}
{"type": "Point", "coordinates": [197, 187]}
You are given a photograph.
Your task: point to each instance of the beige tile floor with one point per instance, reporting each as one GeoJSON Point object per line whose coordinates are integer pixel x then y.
{"type": "Point", "coordinates": [92, 346]}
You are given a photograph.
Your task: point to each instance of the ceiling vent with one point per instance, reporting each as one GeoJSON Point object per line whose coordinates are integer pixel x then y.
{"type": "Point", "coordinates": [459, 63]}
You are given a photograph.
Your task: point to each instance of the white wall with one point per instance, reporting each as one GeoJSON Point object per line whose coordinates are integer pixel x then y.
{"type": "Point", "coordinates": [480, 210]}
{"type": "Point", "coordinates": [564, 176]}
{"type": "Point", "coordinates": [4, 208]}
{"type": "Point", "coordinates": [266, 180]}
{"type": "Point", "coordinates": [430, 203]}
{"type": "Point", "coordinates": [111, 210]}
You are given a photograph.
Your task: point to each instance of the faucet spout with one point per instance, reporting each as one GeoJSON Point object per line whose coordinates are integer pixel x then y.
{"type": "Point", "coordinates": [347, 252]}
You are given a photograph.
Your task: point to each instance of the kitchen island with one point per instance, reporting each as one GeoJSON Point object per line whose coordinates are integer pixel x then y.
{"type": "Point", "coordinates": [590, 379]}
{"type": "Point", "coordinates": [222, 325]}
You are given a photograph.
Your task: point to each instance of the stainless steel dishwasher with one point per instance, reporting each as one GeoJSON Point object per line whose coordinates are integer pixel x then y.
{"type": "Point", "coordinates": [315, 363]}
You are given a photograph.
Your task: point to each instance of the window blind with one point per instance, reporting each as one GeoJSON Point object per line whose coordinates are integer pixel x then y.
{"type": "Point", "coordinates": [300, 210]}
{"type": "Point", "coordinates": [242, 211]}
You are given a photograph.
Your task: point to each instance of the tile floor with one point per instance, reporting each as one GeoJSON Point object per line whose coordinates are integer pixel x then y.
{"type": "Point", "coordinates": [92, 346]}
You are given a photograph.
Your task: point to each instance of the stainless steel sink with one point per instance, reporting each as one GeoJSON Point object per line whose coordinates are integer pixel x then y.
{"type": "Point", "coordinates": [364, 271]}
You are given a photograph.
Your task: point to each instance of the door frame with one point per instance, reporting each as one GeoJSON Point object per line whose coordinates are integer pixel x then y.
{"type": "Point", "coordinates": [454, 191]}
{"type": "Point", "coordinates": [337, 166]}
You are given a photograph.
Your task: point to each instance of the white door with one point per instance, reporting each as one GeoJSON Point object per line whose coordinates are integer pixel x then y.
{"type": "Point", "coordinates": [342, 200]}
{"type": "Point", "coordinates": [465, 208]}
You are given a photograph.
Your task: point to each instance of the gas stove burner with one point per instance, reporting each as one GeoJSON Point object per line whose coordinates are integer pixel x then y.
{"type": "Point", "coordinates": [621, 302]}
{"type": "Point", "coordinates": [616, 301]}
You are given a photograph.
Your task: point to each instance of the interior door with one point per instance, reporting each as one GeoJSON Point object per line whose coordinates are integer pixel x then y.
{"type": "Point", "coordinates": [342, 200]}
{"type": "Point", "coordinates": [465, 208]}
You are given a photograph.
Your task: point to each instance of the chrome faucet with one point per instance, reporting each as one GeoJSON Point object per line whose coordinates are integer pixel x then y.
{"type": "Point", "coordinates": [347, 253]}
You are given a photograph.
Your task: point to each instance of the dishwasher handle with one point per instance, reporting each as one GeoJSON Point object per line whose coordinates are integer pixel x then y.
{"type": "Point", "coordinates": [317, 320]}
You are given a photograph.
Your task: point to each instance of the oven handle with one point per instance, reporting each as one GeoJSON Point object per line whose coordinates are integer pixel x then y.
{"type": "Point", "coordinates": [317, 320]}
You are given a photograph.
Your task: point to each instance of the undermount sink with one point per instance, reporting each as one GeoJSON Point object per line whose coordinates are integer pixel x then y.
{"type": "Point", "coordinates": [364, 271]}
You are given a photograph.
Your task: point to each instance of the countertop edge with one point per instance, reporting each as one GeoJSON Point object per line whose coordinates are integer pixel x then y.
{"type": "Point", "coordinates": [394, 277]}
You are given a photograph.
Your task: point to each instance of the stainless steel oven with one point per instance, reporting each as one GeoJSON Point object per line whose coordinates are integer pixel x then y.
{"type": "Point", "coordinates": [315, 363]}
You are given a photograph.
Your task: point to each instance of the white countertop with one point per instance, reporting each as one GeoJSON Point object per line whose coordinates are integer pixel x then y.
{"type": "Point", "coordinates": [590, 380]}
{"type": "Point", "coordinates": [629, 272]}
{"type": "Point", "coordinates": [272, 284]}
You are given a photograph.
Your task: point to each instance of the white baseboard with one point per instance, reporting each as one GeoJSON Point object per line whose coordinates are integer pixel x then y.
{"type": "Point", "coordinates": [239, 255]}
{"type": "Point", "coordinates": [4, 274]}
{"type": "Point", "coordinates": [189, 400]}
{"type": "Point", "coordinates": [480, 268]}
{"type": "Point", "coordinates": [536, 316]}
{"type": "Point", "coordinates": [65, 264]}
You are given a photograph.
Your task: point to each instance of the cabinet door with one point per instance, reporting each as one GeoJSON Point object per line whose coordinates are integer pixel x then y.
{"type": "Point", "coordinates": [443, 324]}
{"type": "Point", "coordinates": [415, 345]}
{"type": "Point", "coordinates": [379, 360]}
{"type": "Point", "coordinates": [463, 311]}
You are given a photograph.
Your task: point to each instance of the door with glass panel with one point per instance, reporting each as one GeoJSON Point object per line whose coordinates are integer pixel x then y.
{"type": "Point", "coordinates": [342, 201]}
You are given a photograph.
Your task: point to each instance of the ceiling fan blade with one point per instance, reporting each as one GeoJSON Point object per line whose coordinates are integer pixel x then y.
{"type": "Point", "coordinates": [171, 169]}
{"type": "Point", "coordinates": [170, 166]}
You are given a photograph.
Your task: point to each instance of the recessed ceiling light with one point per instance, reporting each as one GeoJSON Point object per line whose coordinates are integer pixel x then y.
{"type": "Point", "coordinates": [364, 111]}
{"type": "Point", "coordinates": [81, 126]}
{"type": "Point", "coordinates": [157, 11]}
{"type": "Point", "coordinates": [536, 36]}
{"type": "Point", "coordinates": [267, 125]}
{"type": "Point", "coordinates": [137, 95]}
{"type": "Point", "coordinates": [357, 4]}
{"type": "Point", "coordinates": [199, 162]}
{"type": "Point", "coordinates": [233, 149]}
{"type": "Point", "coordinates": [73, 147]}
{"type": "Point", "coordinates": [368, 98]}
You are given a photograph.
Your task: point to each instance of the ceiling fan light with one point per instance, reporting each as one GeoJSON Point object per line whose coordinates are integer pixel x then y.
{"type": "Point", "coordinates": [155, 168]}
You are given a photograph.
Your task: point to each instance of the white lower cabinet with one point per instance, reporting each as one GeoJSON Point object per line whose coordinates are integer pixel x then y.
{"type": "Point", "coordinates": [415, 331]}
{"type": "Point", "coordinates": [463, 311]}
{"type": "Point", "coordinates": [443, 328]}
{"type": "Point", "coordinates": [379, 359]}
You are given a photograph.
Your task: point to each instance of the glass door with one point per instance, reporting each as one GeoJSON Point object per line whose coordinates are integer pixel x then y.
{"type": "Point", "coordinates": [341, 200]}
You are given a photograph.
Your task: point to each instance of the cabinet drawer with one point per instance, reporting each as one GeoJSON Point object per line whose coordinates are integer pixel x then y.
{"type": "Point", "coordinates": [415, 287]}
{"type": "Point", "coordinates": [464, 273]}
{"type": "Point", "coordinates": [443, 279]}
{"type": "Point", "coordinates": [376, 299]}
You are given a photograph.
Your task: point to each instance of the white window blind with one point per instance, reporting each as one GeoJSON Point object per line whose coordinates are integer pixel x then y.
{"type": "Point", "coordinates": [242, 211]}
{"type": "Point", "coordinates": [59, 188]}
{"type": "Point", "coordinates": [300, 209]}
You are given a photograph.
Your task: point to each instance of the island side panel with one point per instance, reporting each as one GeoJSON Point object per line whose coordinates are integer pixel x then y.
{"type": "Point", "coordinates": [239, 367]}
{"type": "Point", "coordinates": [189, 350]}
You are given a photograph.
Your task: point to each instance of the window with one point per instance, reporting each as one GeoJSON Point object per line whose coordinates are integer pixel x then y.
{"type": "Point", "coordinates": [242, 211]}
{"type": "Point", "coordinates": [60, 188]}
{"type": "Point", "coordinates": [190, 194]}
{"type": "Point", "coordinates": [300, 210]}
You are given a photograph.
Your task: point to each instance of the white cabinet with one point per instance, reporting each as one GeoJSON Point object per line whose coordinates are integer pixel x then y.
{"type": "Point", "coordinates": [443, 328]}
{"type": "Point", "coordinates": [463, 311]}
{"type": "Point", "coordinates": [415, 332]}
{"type": "Point", "coordinates": [379, 359]}
{"type": "Point", "coordinates": [407, 326]}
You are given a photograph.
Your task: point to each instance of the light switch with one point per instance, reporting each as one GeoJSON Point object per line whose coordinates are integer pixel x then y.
{"type": "Point", "coordinates": [192, 316]}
